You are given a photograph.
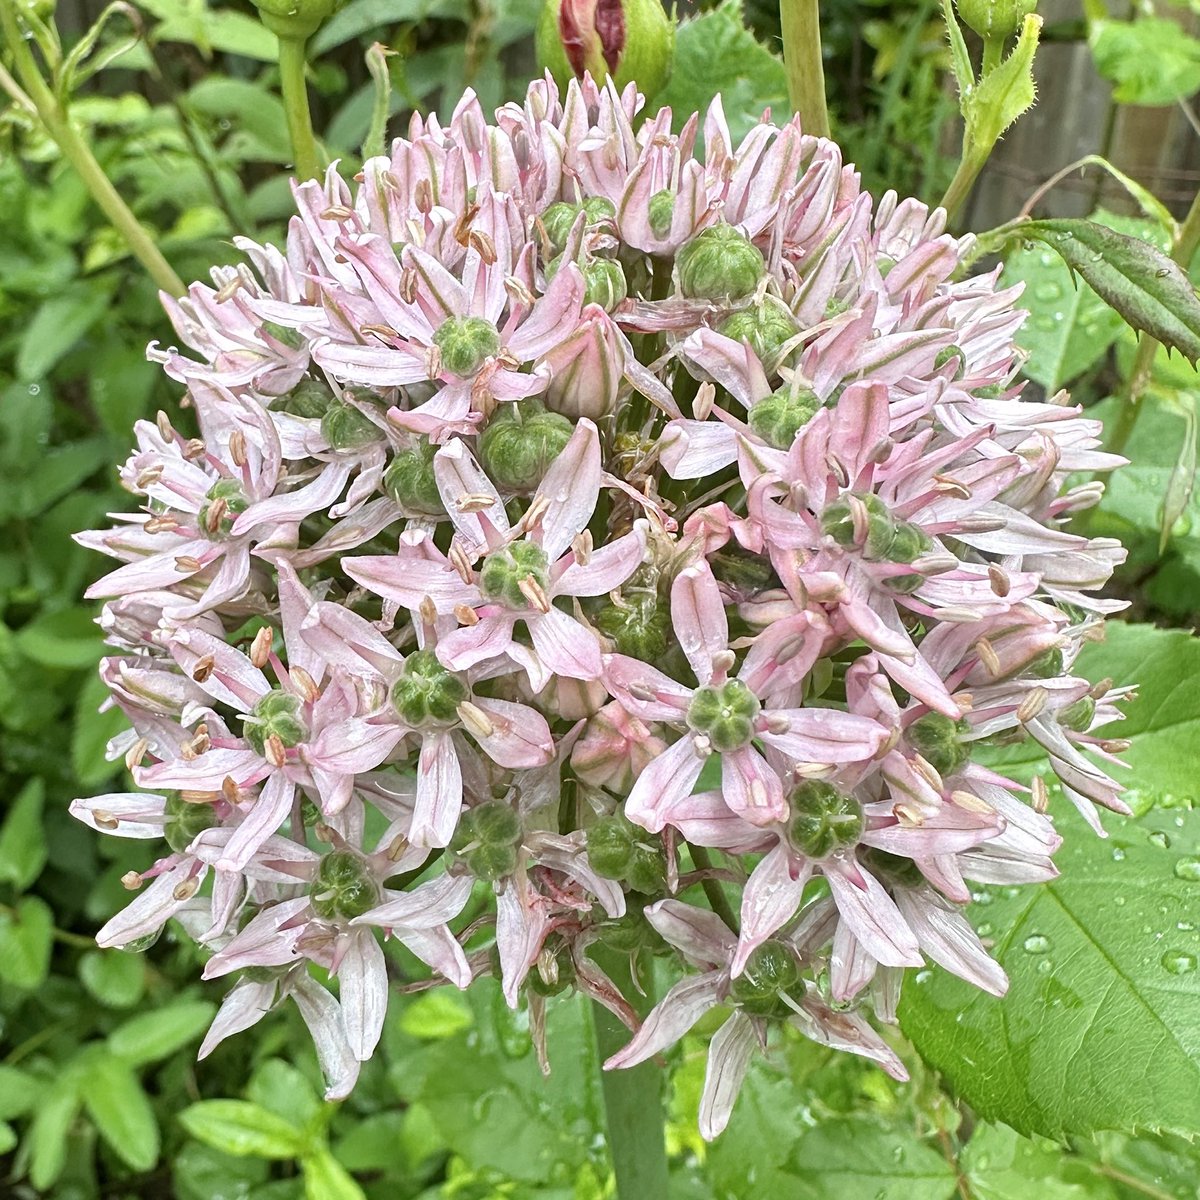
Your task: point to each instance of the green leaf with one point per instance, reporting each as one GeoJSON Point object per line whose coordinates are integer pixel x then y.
{"type": "Point", "coordinates": [26, 934]}
{"type": "Point", "coordinates": [1069, 327]}
{"type": "Point", "coordinates": [239, 1127]}
{"type": "Point", "coordinates": [225, 30]}
{"type": "Point", "coordinates": [1098, 1029]}
{"type": "Point", "coordinates": [364, 16]}
{"type": "Point", "coordinates": [372, 1143]}
{"type": "Point", "coordinates": [999, 1164]}
{"type": "Point", "coordinates": [18, 1092]}
{"type": "Point", "coordinates": [67, 638]}
{"type": "Point", "coordinates": [201, 1173]}
{"type": "Point", "coordinates": [22, 840]}
{"type": "Point", "coordinates": [715, 53]}
{"type": "Point", "coordinates": [54, 473]}
{"type": "Point", "coordinates": [278, 1086]}
{"type": "Point", "coordinates": [326, 1179]}
{"type": "Point", "coordinates": [1004, 93]}
{"type": "Point", "coordinates": [117, 1103]}
{"type": "Point", "coordinates": [8, 1137]}
{"type": "Point", "coordinates": [115, 978]}
{"type": "Point", "coordinates": [1152, 294]}
{"type": "Point", "coordinates": [56, 326]}
{"type": "Point", "coordinates": [1152, 61]}
{"type": "Point", "coordinates": [157, 1035]}
{"type": "Point", "coordinates": [50, 1129]}
{"type": "Point", "coordinates": [91, 732]}
{"type": "Point", "coordinates": [436, 1014]}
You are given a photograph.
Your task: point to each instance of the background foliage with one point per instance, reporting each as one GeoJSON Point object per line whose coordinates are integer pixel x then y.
{"type": "Point", "coordinates": [1097, 1047]}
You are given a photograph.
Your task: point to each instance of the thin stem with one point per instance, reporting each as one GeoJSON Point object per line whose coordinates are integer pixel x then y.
{"type": "Point", "coordinates": [292, 62]}
{"type": "Point", "coordinates": [1183, 250]}
{"type": "Point", "coordinates": [52, 114]}
{"type": "Point", "coordinates": [962, 183]}
{"type": "Point", "coordinates": [717, 899]}
{"type": "Point", "coordinates": [993, 54]}
{"type": "Point", "coordinates": [633, 1097]}
{"type": "Point", "coordinates": [802, 60]}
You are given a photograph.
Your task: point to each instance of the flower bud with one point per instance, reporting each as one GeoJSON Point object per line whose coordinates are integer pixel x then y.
{"type": "Point", "coordinates": [631, 40]}
{"type": "Point", "coordinates": [719, 263]}
{"type": "Point", "coordinates": [936, 738]}
{"type": "Point", "coordinates": [1047, 665]}
{"type": "Point", "coordinates": [640, 626]}
{"type": "Point", "coordinates": [823, 819]}
{"type": "Point", "coordinates": [184, 821]}
{"type": "Point", "coordinates": [427, 693]}
{"type": "Point", "coordinates": [520, 442]}
{"type": "Point", "coordinates": [466, 343]}
{"type": "Point", "coordinates": [661, 212]}
{"type": "Point", "coordinates": [345, 428]}
{"type": "Point", "coordinates": [503, 572]}
{"type": "Point", "coordinates": [995, 18]}
{"type": "Point", "coordinates": [309, 398]}
{"type": "Point", "coordinates": [586, 369]}
{"type": "Point", "coordinates": [777, 418]}
{"type": "Point", "coordinates": [1078, 716]}
{"type": "Point", "coordinates": [952, 354]}
{"type": "Point", "coordinates": [410, 481]}
{"type": "Point", "coordinates": [343, 887]}
{"type": "Point", "coordinates": [223, 502]}
{"type": "Point", "coordinates": [610, 846]}
{"type": "Point", "coordinates": [841, 521]}
{"type": "Point", "coordinates": [487, 839]}
{"type": "Point", "coordinates": [277, 714]}
{"type": "Point", "coordinates": [770, 971]}
{"type": "Point", "coordinates": [295, 19]}
{"type": "Point", "coordinates": [766, 325]}
{"type": "Point", "coordinates": [724, 714]}
{"type": "Point", "coordinates": [614, 750]}
{"type": "Point", "coordinates": [553, 973]}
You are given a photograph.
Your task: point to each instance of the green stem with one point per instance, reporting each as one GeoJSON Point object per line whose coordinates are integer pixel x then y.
{"type": "Point", "coordinates": [717, 899]}
{"type": "Point", "coordinates": [53, 115]}
{"type": "Point", "coordinates": [633, 1098]}
{"type": "Point", "coordinates": [962, 183]}
{"type": "Point", "coordinates": [1183, 250]}
{"type": "Point", "coordinates": [292, 63]}
{"type": "Point", "coordinates": [801, 24]}
{"type": "Point", "coordinates": [993, 55]}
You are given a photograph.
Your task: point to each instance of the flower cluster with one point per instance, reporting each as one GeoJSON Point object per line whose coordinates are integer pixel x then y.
{"type": "Point", "coordinates": [592, 547]}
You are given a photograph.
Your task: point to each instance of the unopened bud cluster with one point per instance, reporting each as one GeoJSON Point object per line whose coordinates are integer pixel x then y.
{"type": "Point", "coordinates": [580, 544]}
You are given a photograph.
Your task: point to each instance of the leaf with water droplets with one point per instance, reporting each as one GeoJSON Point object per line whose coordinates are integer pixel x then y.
{"type": "Point", "coordinates": [1098, 1030]}
{"type": "Point", "coordinates": [1152, 294]}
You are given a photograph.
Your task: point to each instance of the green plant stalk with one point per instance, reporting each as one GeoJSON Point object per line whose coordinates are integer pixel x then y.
{"type": "Point", "coordinates": [1183, 250]}
{"type": "Point", "coordinates": [293, 59]}
{"type": "Point", "coordinates": [970, 165]}
{"type": "Point", "coordinates": [717, 899]}
{"type": "Point", "coordinates": [633, 1098]}
{"type": "Point", "coordinates": [801, 24]}
{"type": "Point", "coordinates": [993, 54]}
{"type": "Point", "coordinates": [52, 114]}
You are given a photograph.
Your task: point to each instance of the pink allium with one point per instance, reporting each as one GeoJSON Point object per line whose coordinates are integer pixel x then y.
{"type": "Point", "coordinates": [558, 501]}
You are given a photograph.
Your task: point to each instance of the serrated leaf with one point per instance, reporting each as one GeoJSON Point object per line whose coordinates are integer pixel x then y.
{"type": "Point", "coordinates": [1152, 294]}
{"type": "Point", "coordinates": [326, 1179]}
{"type": "Point", "coordinates": [120, 1108]}
{"type": "Point", "coordinates": [1098, 1029]}
{"type": "Point", "coordinates": [1004, 93]}
{"type": "Point", "coordinates": [156, 1035]}
{"type": "Point", "coordinates": [1152, 60]}
{"type": "Point", "coordinates": [716, 53]}
{"type": "Point", "coordinates": [26, 934]}
{"type": "Point", "coordinates": [1069, 327]}
{"type": "Point", "coordinates": [239, 1127]}
{"type": "Point", "coordinates": [22, 839]}
{"type": "Point", "coordinates": [1000, 1164]}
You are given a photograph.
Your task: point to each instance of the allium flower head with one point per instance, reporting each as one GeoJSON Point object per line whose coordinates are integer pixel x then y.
{"type": "Point", "coordinates": [566, 497]}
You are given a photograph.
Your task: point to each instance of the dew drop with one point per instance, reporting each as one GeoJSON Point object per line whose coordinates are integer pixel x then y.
{"type": "Point", "coordinates": [1188, 869]}
{"type": "Point", "coordinates": [984, 930]}
{"type": "Point", "coordinates": [1045, 966]}
{"type": "Point", "coordinates": [1119, 901]}
{"type": "Point", "coordinates": [1160, 839]}
{"type": "Point", "coordinates": [1185, 926]}
{"type": "Point", "coordinates": [1178, 962]}
{"type": "Point", "coordinates": [1047, 292]}
{"type": "Point", "coordinates": [1036, 943]}
{"type": "Point", "coordinates": [1118, 854]}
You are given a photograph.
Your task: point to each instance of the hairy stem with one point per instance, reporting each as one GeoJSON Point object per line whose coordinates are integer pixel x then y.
{"type": "Point", "coordinates": [52, 114]}
{"type": "Point", "coordinates": [633, 1098]}
{"type": "Point", "coordinates": [292, 62]}
{"type": "Point", "coordinates": [962, 183]}
{"type": "Point", "coordinates": [802, 59]}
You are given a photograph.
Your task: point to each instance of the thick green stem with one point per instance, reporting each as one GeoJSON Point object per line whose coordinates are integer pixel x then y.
{"type": "Point", "coordinates": [1183, 250]}
{"type": "Point", "coordinates": [717, 900]}
{"type": "Point", "coordinates": [802, 59]}
{"type": "Point", "coordinates": [633, 1098]}
{"type": "Point", "coordinates": [52, 114]}
{"type": "Point", "coordinates": [962, 183]}
{"type": "Point", "coordinates": [293, 60]}
{"type": "Point", "coordinates": [993, 54]}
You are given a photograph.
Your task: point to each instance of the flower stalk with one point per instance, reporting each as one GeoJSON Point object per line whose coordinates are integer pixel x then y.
{"type": "Point", "coordinates": [802, 58]}
{"type": "Point", "coordinates": [293, 59]}
{"type": "Point", "coordinates": [52, 112]}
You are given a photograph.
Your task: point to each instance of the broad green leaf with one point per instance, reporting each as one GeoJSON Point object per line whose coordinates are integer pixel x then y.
{"type": "Point", "coordinates": [1069, 327]}
{"type": "Point", "coordinates": [715, 53]}
{"type": "Point", "coordinates": [26, 934]}
{"type": "Point", "coordinates": [1004, 93]}
{"type": "Point", "coordinates": [117, 1103]}
{"type": "Point", "coordinates": [116, 978]}
{"type": "Point", "coordinates": [18, 1092]}
{"type": "Point", "coordinates": [56, 326]}
{"type": "Point", "coordinates": [1167, 1163]}
{"type": "Point", "coordinates": [1152, 61]}
{"type": "Point", "coordinates": [374, 1142]}
{"type": "Point", "coordinates": [22, 839]}
{"type": "Point", "coordinates": [436, 1014]}
{"type": "Point", "coordinates": [194, 22]}
{"type": "Point", "coordinates": [8, 1137]}
{"type": "Point", "coordinates": [119, 387]}
{"type": "Point", "coordinates": [1098, 1030]}
{"type": "Point", "coordinates": [50, 1129]}
{"type": "Point", "coordinates": [1151, 293]}
{"type": "Point", "coordinates": [54, 473]}
{"type": "Point", "coordinates": [199, 1172]}
{"type": "Point", "coordinates": [240, 1127]}
{"type": "Point", "coordinates": [1000, 1164]}
{"type": "Point", "coordinates": [279, 1087]}
{"type": "Point", "coordinates": [364, 16]}
{"type": "Point", "coordinates": [90, 734]}
{"type": "Point", "coordinates": [259, 122]}
{"type": "Point", "coordinates": [156, 1035]}
{"type": "Point", "coordinates": [326, 1179]}
{"type": "Point", "coordinates": [858, 1156]}
{"type": "Point", "coordinates": [67, 638]}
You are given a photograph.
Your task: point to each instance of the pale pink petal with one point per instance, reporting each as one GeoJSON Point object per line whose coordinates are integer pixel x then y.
{"type": "Point", "coordinates": [822, 735]}
{"type": "Point", "coordinates": [698, 614]}
{"type": "Point", "coordinates": [769, 901]}
{"type": "Point", "coordinates": [245, 1005]}
{"type": "Point", "coordinates": [267, 813]}
{"type": "Point", "coordinates": [670, 1019]}
{"type": "Point", "coordinates": [666, 781]}
{"type": "Point", "coordinates": [872, 915]}
{"type": "Point", "coordinates": [323, 1017]}
{"type": "Point", "coordinates": [948, 938]}
{"type": "Point", "coordinates": [752, 788]}
{"type": "Point", "coordinates": [702, 936]}
{"type": "Point", "coordinates": [606, 569]}
{"type": "Point", "coordinates": [729, 1056]}
{"type": "Point", "coordinates": [564, 645]}
{"type": "Point", "coordinates": [519, 736]}
{"type": "Point", "coordinates": [570, 489]}
{"type": "Point", "coordinates": [363, 989]}
{"type": "Point", "coordinates": [439, 792]}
